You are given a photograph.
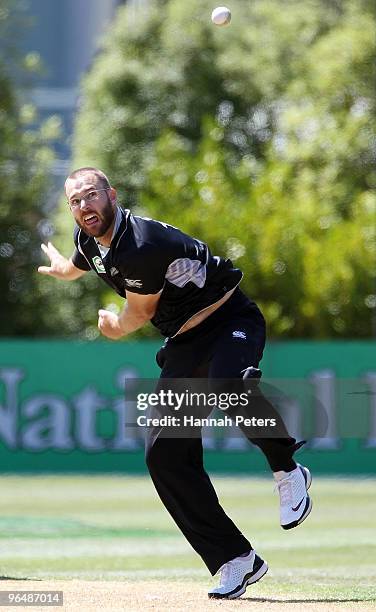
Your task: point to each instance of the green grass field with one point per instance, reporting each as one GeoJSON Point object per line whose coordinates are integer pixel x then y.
{"type": "Point", "coordinates": [110, 528]}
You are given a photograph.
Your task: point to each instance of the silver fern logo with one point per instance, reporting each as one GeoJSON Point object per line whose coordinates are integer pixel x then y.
{"type": "Point", "coordinates": [99, 265]}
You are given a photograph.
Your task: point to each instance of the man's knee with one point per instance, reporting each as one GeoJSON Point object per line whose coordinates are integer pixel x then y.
{"type": "Point", "coordinates": [252, 373]}
{"type": "Point", "coordinates": [248, 378]}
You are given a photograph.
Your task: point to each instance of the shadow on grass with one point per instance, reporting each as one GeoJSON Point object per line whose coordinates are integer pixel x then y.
{"type": "Point", "coordinates": [18, 578]}
{"type": "Point", "coordinates": [323, 600]}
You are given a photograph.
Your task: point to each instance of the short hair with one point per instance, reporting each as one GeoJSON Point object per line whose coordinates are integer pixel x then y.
{"type": "Point", "coordinates": [89, 170]}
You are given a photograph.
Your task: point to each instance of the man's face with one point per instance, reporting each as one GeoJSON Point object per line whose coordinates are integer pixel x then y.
{"type": "Point", "coordinates": [92, 206]}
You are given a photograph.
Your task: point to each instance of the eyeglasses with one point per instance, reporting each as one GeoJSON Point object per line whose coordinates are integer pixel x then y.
{"type": "Point", "coordinates": [90, 196]}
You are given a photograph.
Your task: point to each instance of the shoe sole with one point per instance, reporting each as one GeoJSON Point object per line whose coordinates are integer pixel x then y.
{"type": "Point", "coordinates": [306, 512]}
{"type": "Point", "coordinates": [308, 506]}
{"type": "Point", "coordinates": [242, 588]}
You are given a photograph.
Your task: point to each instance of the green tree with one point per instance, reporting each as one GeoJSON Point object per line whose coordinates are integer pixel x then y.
{"type": "Point", "coordinates": [257, 138]}
{"type": "Point", "coordinates": [25, 157]}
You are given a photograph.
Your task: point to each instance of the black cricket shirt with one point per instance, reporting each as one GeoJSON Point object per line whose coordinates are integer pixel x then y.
{"type": "Point", "coordinates": [149, 257]}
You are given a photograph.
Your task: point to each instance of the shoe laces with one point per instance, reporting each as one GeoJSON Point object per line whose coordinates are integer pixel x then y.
{"type": "Point", "coordinates": [284, 487]}
{"type": "Point", "coordinates": [225, 573]}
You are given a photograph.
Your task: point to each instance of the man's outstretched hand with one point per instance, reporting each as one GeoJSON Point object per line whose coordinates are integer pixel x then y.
{"type": "Point", "coordinates": [109, 324]}
{"type": "Point", "coordinates": [60, 266]}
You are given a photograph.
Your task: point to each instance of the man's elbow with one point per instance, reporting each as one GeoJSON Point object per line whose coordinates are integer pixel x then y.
{"type": "Point", "coordinates": [141, 309]}
{"type": "Point", "coordinates": [147, 315]}
{"type": "Point", "coordinates": [142, 315]}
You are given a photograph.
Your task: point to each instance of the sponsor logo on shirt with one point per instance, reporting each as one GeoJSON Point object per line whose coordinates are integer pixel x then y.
{"type": "Point", "coordinates": [99, 265]}
{"type": "Point", "coordinates": [114, 271]}
{"type": "Point", "coordinates": [133, 282]}
{"type": "Point", "coordinates": [239, 334]}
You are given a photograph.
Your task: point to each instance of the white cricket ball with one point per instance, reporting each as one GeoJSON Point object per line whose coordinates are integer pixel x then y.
{"type": "Point", "coordinates": [221, 16]}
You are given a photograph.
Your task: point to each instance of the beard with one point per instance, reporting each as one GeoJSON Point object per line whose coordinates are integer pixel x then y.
{"type": "Point", "coordinates": [105, 219]}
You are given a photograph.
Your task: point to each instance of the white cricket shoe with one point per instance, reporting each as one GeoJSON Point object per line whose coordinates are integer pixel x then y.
{"type": "Point", "coordinates": [237, 574]}
{"type": "Point", "coordinates": [295, 503]}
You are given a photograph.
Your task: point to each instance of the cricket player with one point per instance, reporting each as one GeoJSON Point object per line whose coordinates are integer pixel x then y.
{"type": "Point", "coordinates": [193, 299]}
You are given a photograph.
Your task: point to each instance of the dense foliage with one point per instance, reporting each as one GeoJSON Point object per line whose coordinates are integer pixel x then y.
{"type": "Point", "coordinates": [25, 157]}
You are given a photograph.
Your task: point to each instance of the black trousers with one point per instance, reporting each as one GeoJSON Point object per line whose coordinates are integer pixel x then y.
{"type": "Point", "coordinates": [213, 350]}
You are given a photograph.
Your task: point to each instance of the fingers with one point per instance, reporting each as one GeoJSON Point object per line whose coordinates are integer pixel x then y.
{"type": "Point", "coordinates": [102, 318]}
{"type": "Point", "coordinates": [106, 319]}
{"type": "Point", "coordinates": [53, 249]}
{"type": "Point", "coordinates": [103, 325]}
{"type": "Point", "coordinates": [44, 270]}
{"type": "Point", "coordinates": [107, 325]}
{"type": "Point", "coordinates": [54, 257]}
{"type": "Point", "coordinates": [49, 249]}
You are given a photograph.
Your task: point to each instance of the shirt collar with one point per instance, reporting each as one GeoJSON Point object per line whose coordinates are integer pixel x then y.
{"type": "Point", "coordinates": [118, 218]}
